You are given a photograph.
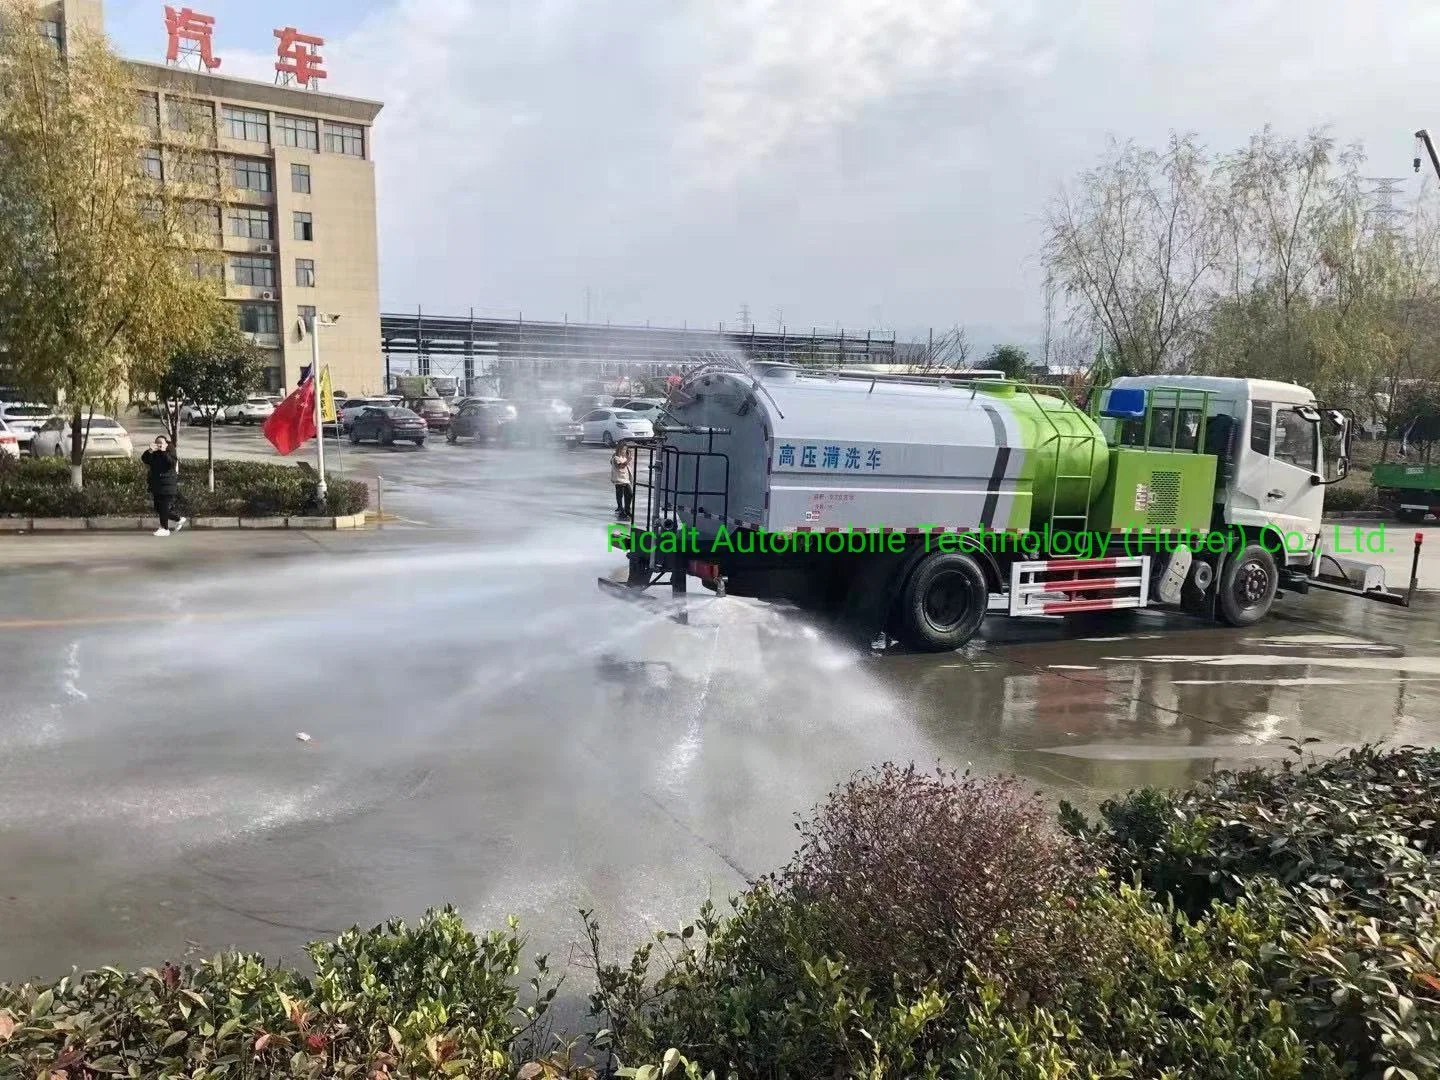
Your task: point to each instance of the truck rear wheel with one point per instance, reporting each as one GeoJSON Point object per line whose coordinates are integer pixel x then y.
{"type": "Point", "coordinates": [1247, 587]}
{"type": "Point", "coordinates": [943, 603]}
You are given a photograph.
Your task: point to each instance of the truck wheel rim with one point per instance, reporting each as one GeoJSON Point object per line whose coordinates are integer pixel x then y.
{"type": "Point", "coordinates": [1253, 584]}
{"type": "Point", "coordinates": [946, 601]}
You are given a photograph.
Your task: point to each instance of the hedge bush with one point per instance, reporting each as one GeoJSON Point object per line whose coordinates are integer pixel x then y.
{"type": "Point", "coordinates": [1265, 925]}
{"type": "Point", "coordinates": [1342, 499]}
{"type": "Point", "coordinates": [41, 488]}
{"type": "Point", "coordinates": [433, 1000]}
{"type": "Point", "coordinates": [1280, 924]}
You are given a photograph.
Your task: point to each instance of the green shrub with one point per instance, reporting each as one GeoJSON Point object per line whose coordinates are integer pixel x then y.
{"type": "Point", "coordinates": [1364, 825]}
{"type": "Point", "coordinates": [41, 488]}
{"type": "Point", "coordinates": [429, 1001]}
{"type": "Point", "coordinates": [1150, 993]}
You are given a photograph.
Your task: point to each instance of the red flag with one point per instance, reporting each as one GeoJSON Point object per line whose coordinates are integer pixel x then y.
{"type": "Point", "coordinates": [292, 424]}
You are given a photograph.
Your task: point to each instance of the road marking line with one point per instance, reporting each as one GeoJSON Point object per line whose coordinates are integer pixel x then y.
{"type": "Point", "coordinates": [104, 620]}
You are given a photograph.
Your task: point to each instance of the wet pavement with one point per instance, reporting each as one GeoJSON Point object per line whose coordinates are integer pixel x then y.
{"type": "Point", "coordinates": [488, 728]}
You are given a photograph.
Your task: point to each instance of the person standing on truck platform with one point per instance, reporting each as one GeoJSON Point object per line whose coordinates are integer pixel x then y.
{"type": "Point", "coordinates": [164, 483]}
{"type": "Point", "coordinates": [622, 475]}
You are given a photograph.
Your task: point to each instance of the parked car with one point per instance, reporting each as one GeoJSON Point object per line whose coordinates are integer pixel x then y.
{"type": "Point", "coordinates": [24, 420]}
{"type": "Point", "coordinates": [387, 424]}
{"type": "Point", "coordinates": [648, 408]}
{"type": "Point", "coordinates": [197, 415]}
{"type": "Point", "coordinates": [346, 411]}
{"type": "Point", "coordinates": [9, 444]}
{"type": "Point", "coordinates": [255, 409]}
{"type": "Point", "coordinates": [483, 421]}
{"type": "Point", "coordinates": [538, 423]}
{"type": "Point", "coordinates": [609, 426]}
{"type": "Point", "coordinates": [505, 408]}
{"type": "Point", "coordinates": [106, 438]}
{"type": "Point", "coordinates": [588, 404]}
{"type": "Point", "coordinates": [433, 410]}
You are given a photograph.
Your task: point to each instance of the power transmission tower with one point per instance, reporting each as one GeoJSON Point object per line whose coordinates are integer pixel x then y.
{"type": "Point", "coordinates": [1382, 216]}
{"type": "Point", "coordinates": [744, 315]}
{"type": "Point", "coordinates": [1049, 315]}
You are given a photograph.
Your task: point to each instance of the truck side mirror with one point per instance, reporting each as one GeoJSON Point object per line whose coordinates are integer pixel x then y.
{"type": "Point", "coordinates": [1342, 453]}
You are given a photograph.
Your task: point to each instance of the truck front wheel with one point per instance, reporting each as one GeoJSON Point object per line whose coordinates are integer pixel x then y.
{"type": "Point", "coordinates": [943, 603]}
{"type": "Point", "coordinates": [1247, 587]}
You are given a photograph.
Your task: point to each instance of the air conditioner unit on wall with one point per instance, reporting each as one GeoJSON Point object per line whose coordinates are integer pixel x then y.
{"type": "Point", "coordinates": [267, 296]}
{"type": "Point", "coordinates": [266, 249]}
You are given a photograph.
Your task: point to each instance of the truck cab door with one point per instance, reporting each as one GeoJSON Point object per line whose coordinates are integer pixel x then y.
{"type": "Point", "coordinates": [1293, 498]}
{"type": "Point", "coordinates": [1247, 501]}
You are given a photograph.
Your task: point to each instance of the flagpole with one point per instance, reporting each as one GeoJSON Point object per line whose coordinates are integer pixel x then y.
{"type": "Point", "coordinates": [322, 492]}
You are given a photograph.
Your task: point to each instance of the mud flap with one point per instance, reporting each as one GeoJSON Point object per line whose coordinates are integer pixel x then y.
{"type": "Point", "coordinates": [866, 609]}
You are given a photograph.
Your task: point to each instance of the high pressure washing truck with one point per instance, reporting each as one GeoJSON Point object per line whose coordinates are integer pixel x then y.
{"type": "Point", "coordinates": [911, 506]}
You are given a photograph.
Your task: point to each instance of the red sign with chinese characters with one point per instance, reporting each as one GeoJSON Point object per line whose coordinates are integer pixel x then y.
{"type": "Point", "coordinates": [190, 26]}
{"type": "Point", "coordinates": [299, 55]}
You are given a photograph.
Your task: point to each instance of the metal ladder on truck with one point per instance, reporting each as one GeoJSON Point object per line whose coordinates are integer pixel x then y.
{"type": "Point", "coordinates": [1069, 584]}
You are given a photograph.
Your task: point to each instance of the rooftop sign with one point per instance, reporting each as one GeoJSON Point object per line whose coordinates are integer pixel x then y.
{"type": "Point", "coordinates": [190, 41]}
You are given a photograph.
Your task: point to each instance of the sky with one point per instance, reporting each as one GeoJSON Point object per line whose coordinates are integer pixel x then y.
{"type": "Point", "coordinates": [866, 163]}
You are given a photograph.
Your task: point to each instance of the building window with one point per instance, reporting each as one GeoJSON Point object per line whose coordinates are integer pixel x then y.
{"type": "Point", "coordinates": [192, 168]}
{"type": "Point", "coordinates": [53, 32]}
{"type": "Point", "coordinates": [300, 179]}
{"type": "Point", "coordinates": [304, 226]}
{"type": "Point", "coordinates": [207, 266]}
{"type": "Point", "coordinates": [147, 111]}
{"type": "Point", "coordinates": [345, 139]}
{"type": "Point", "coordinates": [257, 271]}
{"type": "Point", "coordinates": [298, 131]}
{"type": "Point", "coordinates": [152, 163]}
{"type": "Point", "coordinates": [190, 117]}
{"type": "Point", "coordinates": [305, 273]}
{"type": "Point", "coordinates": [203, 220]}
{"type": "Point", "coordinates": [307, 316]}
{"type": "Point", "coordinates": [259, 319]}
{"type": "Point", "coordinates": [250, 223]}
{"type": "Point", "coordinates": [251, 175]}
{"type": "Point", "coordinates": [251, 125]}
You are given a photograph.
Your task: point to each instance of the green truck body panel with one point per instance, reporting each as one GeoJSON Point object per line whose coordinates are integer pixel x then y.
{"type": "Point", "coordinates": [1156, 491]}
{"type": "Point", "coordinates": [1065, 458]}
{"type": "Point", "coordinates": [1397, 476]}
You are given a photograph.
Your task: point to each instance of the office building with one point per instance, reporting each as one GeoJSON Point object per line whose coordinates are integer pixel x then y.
{"type": "Point", "coordinates": [296, 215]}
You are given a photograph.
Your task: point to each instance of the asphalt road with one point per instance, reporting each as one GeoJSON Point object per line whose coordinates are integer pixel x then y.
{"type": "Point", "coordinates": [489, 729]}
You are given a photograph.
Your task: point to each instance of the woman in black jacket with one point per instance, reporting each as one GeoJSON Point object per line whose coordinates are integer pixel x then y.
{"type": "Point", "coordinates": [164, 483]}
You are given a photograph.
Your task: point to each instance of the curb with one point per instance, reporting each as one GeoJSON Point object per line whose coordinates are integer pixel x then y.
{"type": "Point", "coordinates": [13, 526]}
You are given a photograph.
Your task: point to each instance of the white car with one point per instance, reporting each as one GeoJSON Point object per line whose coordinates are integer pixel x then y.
{"type": "Point", "coordinates": [24, 420]}
{"type": "Point", "coordinates": [195, 415]}
{"type": "Point", "coordinates": [106, 439]}
{"type": "Point", "coordinates": [609, 426]}
{"type": "Point", "coordinates": [647, 408]}
{"type": "Point", "coordinates": [255, 409]}
{"type": "Point", "coordinates": [9, 444]}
